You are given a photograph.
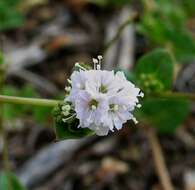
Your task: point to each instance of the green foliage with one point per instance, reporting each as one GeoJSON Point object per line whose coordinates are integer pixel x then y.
{"type": "Point", "coordinates": [2, 69]}
{"type": "Point", "coordinates": [41, 114]}
{"type": "Point", "coordinates": [1, 58]}
{"type": "Point", "coordinates": [154, 71]}
{"type": "Point", "coordinates": [69, 129]}
{"type": "Point", "coordinates": [13, 111]}
{"type": "Point", "coordinates": [164, 114]}
{"type": "Point", "coordinates": [8, 181]}
{"type": "Point", "coordinates": [10, 17]}
{"type": "Point", "coordinates": [164, 23]}
{"type": "Point", "coordinates": [183, 45]}
{"type": "Point", "coordinates": [189, 6]}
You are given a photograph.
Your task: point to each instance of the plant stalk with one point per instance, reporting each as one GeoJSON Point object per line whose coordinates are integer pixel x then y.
{"type": "Point", "coordinates": [52, 103]}
{"type": "Point", "coordinates": [176, 95]}
{"type": "Point", "coordinates": [28, 101]}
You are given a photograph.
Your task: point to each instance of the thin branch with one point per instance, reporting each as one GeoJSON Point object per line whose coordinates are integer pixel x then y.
{"type": "Point", "coordinates": [159, 161]}
{"type": "Point", "coordinates": [28, 101]}
{"type": "Point", "coordinates": [176, 95]}
{"type": "Point", "coordinates": [52, 103]}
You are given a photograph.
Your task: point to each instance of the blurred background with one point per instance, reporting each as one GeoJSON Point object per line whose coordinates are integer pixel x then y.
{"type": "Point", "coordinates": [42, 39]}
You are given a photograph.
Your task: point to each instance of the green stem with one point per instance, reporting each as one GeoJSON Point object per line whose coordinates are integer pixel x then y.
{"type": "Point", "coordinates": [52, 103]}
{"type": "Point", "coordinates": [176, 95]}
{"type": "Point", "coordinates": [28, 101]}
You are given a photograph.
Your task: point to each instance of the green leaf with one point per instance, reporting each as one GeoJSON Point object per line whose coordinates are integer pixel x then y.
{"type": "Point", "coordinates": [12, 20]}
{"type": "Point", "coordinates": [152, 28]}
{"type": "Point", "coordinates": [164, 114]}
{"type": "Point", "coordinates": [71, 130]}
{"type": "Point", "coordinates": [42, 114]}
{"type": "Point", "coordinates": [10, 17]}
{"type": "Point", "coordinates": [11, 3]}
{"type": "Point", "coordinates": [183, 45]}
{"type": "Point", "coordinates": [167, 28]}
{"type": "Point", "coordinates": [154, 71]}
{"type": "Point", "coordinates": [189, 7]}
{"type": "Point", "coordinates": [8, 181]}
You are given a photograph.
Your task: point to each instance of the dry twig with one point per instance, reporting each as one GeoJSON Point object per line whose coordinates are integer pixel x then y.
{"type": "Point", "coordinates": [159, 160]}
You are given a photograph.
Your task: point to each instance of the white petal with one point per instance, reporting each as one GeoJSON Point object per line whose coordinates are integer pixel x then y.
{"type": "Point", "coordinates": [100, 130]}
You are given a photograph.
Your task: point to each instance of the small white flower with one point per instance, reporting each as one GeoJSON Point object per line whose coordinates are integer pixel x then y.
{"type": "Point", "coordinates": [101, 81]}
{"type": "Point", "coordinates": [78, 81]}
{"type": "Point", "coordinates": [102, 99]}
{"type": "Point", "coordinates": [90, 109]}
{"type": "Point", "coordinates": [118, 114]}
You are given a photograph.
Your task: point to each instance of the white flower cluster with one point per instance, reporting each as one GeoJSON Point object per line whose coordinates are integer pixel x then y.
{"type": "Point", "coordinates": [102, 99]}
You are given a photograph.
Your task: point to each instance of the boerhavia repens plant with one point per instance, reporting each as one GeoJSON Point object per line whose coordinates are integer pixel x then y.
{"type": "Point", "coordinates": [100, 100]}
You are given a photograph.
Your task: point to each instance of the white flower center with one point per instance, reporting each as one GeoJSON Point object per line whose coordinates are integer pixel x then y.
{"type": "Point", "coordinates": [115, 107]}
{"type": "Point", "coordinates": [93, 104]}
{"type": "Point", "coordinates": [93, 107]}
{"type": "Point", "coordinates": [103, 89]}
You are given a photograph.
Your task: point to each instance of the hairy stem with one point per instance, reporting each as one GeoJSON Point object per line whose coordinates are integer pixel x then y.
{"type": "Point", "coordinates": [28, 101]}
{"type": "Point", "coordinates": [159, 161]}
